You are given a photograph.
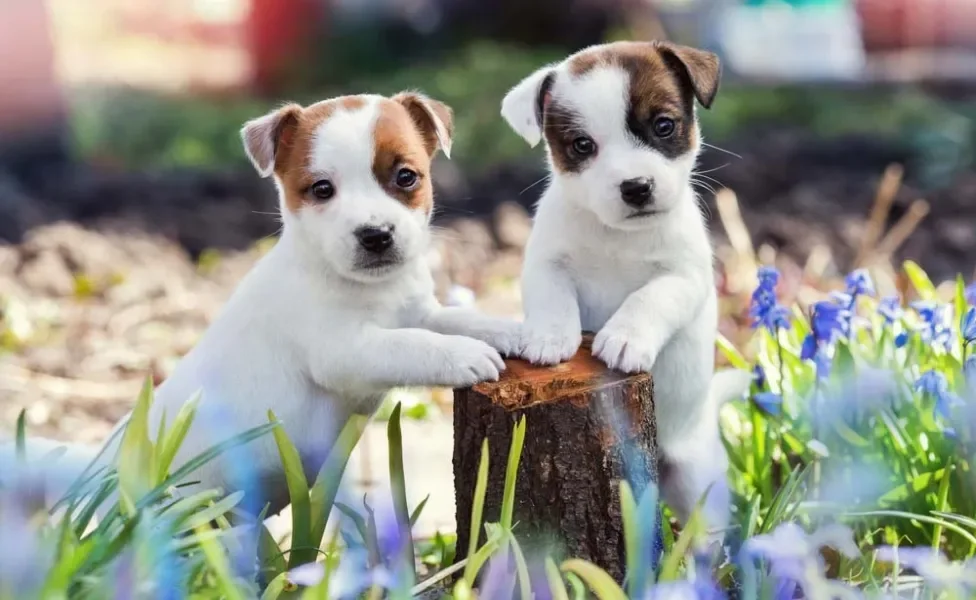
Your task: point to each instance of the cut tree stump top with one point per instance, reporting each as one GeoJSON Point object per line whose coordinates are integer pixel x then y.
{"type": "Point", "coordinates": [523, 384]}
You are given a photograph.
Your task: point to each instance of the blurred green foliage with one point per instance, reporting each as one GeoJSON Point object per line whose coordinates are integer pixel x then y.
{"type": "Point", "coordinates": [181, 131]}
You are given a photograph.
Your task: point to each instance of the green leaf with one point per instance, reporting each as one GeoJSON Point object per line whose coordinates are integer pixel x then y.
{"type": "Point", "coordinates": [693, 529]}
{"type": "Point", "coordinates": [398, 487]}
{"type": "Point", "coordinates": [730, 353]}
{"type": "Point", "coordinates": [511, 474]}
{"type": "Point", "coordinates": [599, 581]}
{"type": "Point", "coordinates": [211, 513]}
{"type": "Point", "coordinates": [521, 567]}
{"type": "Point", "coordinates": [917, 485]}
{"type": "Point", "coordinates": [477, 508]}
{"type": "Point", "coordinates": [135, 453]}
{"type": "Point", "coordinates": [269, 553]}
{"type": "Point", "coordinates": [301, 520]}
{"type": "Point", "coordinates": [175, 436]}
{"type": "Point", "coordinates": [943, 504]}
{"type": "Point", "coordinates": [326, 486]}
{"type": "Point", "coordinates": [357, 520]}
{"type": "Point", "coordinates": [275, 587]}
{"type": "Point", "coordinates": [920, 280]}
{"type": "Point", "coordinates": [915, 516]}
{"type": "Point", "coordinates": [415, 515]}
{"type": "Point", "coordinates": [628, 514]}
{"type": "Point", "coordinates": [21, 436]}
{"type": "Point", "coordinates": [556, 586]}
{"type": "Point", "coordinates": [219, 563]}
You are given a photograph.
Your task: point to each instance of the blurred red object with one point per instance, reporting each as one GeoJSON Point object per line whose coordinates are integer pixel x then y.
{"type": "Point", "coordinates": [903, 24]}
{"type": "Point", "coordinates": [278, 31]}
{"type": "Point", "coordinates": [31, 97]}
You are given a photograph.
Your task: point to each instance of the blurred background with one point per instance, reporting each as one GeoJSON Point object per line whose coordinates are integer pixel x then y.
{"type": "Point", "coordinates": [843, 136]}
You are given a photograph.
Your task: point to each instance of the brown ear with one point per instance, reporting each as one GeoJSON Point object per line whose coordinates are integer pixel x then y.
{"type": "Point", "coordinates": [264, 136]}
{"type": "Point", "coordinates": [702, 68]}
{"type": "Point", "coordinates": [434, 120]}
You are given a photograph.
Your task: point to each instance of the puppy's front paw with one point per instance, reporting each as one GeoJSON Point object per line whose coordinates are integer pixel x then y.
{"type": "Point", "coordinates": [624, 350]}
{"type": "Point", "coordinates": [549, 346]}
{"type": "Point", "coordinates": [504, 336]}
{"type": "Point", "coordinates": [470, 361]}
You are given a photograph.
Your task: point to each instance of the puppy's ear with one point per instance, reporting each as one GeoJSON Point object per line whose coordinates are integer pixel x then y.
{"type": "Point", "coordinates": [702, 69]}
{"type": "Point", "coordinates": [264, 136]}
{"type": "Point", "coordinates": [524, 105]}
{"type": "Point", "coordinates": [434, 120]}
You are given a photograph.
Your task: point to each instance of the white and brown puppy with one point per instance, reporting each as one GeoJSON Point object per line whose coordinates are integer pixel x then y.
{"type": "Point", "coordinates": [619, 244]}
{"type": "Point", "coordinates": [342, 309]}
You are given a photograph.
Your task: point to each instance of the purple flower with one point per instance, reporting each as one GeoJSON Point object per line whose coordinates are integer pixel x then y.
{"type": "Point", "coordinates": [936, 322]}
{"type": "Point", "coordinates": [859, 283]}
{"type": "Point", "coordinates": [764, 309]}
{"type": "Point", "coordinates": [829, 322]}
{"type": "Point", "coordinates": [684, 590]}
{"type": "Point", "coordinates": [890, 308]}
{"type": "Point", "coordinates": [759, 376]}
{"type": "Point", "coordinates": [794, 555]}
{"type": "Point", "coordinates": [934, 384]}
{"type": "Point", "coordinates": [970, 293]}
{"type": "Point", "coordinates": [769, 403]}
{"type": "Point", "coordinates": [968, 325]}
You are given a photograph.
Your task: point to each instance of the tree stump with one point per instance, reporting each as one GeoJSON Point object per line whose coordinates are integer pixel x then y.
{"type": "Point", "coordinates": [587, 428]}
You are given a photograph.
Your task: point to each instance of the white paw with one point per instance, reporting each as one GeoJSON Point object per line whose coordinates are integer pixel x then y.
{"type": "Point", "coordinates": [504, 336]}
{"type": "Point", "coordinates": [471, 361]}
{"type": "Point", "coordinates": [549, 346]}
{"type": "Point", "coordinates": [624, 350]}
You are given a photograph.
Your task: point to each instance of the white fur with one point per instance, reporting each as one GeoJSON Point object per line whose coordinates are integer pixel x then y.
{"type": "Point", "coordinates": [309, 336]}
{"type": "Point", "coordinates": [644, 285]}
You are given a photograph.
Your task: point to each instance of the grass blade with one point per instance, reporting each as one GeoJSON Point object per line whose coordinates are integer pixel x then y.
{"type": "Point", "coordinates": [600, 583]}
{"type": "Point", "coordinates": [556, 586]}
{"type": "Point", "coordinates": [398, 487]}
{"type": "Point", "coordinates": [22, 437]}
{"type": "Point", "coordinates": [326, 486]}
{"type": "Point", "coordinates": [218, 562]}
{"type": "Point", "coordinates": [301, 518]}
{"type": "Point", "coordinates": [628, 513]}
{"type": "Point", "coordinates": [477, 508]}
{"type": "Point", "coordinates": [178, 429]}
{"type": "Point", "coordinates": [415, 515]}
{"type": "Point", "coordinates": [135, 453]}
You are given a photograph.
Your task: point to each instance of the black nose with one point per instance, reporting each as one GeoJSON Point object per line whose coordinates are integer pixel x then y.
{"type": "Point", "coordinates": [375, 239]}
{"type": "Point", "coordinates": [637, 192]}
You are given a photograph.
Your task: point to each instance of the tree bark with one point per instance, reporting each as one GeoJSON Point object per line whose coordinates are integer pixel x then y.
{"type": "Point", "coordinates": [587, 428]}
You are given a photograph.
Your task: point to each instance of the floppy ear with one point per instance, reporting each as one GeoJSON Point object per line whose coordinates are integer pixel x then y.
{"type": "Point", "coordinates": [702, 68]}
{"type": "Point", "coordinates": [263, 136]}
{"type": "Point", "coordinates": [524, 105]}
{"type": "Point", "coordinates": [434, 119]}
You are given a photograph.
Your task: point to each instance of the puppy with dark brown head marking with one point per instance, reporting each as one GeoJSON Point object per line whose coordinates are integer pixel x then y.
{"type": "Point", "coordinates": [619, 245]}
{"type": "Point", "coordinates": [342, 309]}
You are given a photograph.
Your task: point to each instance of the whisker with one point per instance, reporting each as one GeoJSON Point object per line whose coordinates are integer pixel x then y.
{"type": "Point", "coordinates": [713, 170]}
{"type": "Point", "coordinates": [532, 185]}
{"type": "Point", "coordinates": [722, 150]}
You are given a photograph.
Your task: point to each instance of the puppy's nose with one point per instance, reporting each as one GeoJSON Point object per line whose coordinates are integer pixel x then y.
{"type": "Point", "coordinates": [375, 239]}
{"type": "Point", "coordinates": [637, 192]}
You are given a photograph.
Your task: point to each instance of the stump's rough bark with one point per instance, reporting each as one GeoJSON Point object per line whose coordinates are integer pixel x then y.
{"type": "Point", "coordinates": [586, 429]}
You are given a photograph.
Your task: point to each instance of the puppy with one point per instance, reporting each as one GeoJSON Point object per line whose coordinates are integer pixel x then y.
{"type": "Point", "coordinates": [342, 309]}
{"type": "Point", "coordinates": [619, 245]}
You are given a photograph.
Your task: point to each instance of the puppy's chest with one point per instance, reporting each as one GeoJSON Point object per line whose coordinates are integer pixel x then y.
{"type": "Point", "coordinates": [602, 286]}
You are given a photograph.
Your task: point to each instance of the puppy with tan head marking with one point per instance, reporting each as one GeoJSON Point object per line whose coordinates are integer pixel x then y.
{"type": "Point", "coordinates": [342, 309]}
{"type": "Point", "coordinates": [619, 245]}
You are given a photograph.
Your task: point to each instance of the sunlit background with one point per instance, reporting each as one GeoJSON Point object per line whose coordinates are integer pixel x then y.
{"type": "Point", "coordinates": [843, 136]}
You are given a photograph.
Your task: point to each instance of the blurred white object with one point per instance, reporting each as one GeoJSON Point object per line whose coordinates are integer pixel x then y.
{"type": "Point", "coordinates": [780, 41]}
{"type": "Point", "coordinates": [459, 295]}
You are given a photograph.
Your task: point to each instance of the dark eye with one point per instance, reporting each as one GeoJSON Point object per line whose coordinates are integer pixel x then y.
{"type": "Point", "coordinates": [406, 178]}
{"type": "Point", "coordinates": [584, 146]}
{"type": "Point", "coordinates": [663, 127]}
{"type": "Point", "coordinates": [323, 190]}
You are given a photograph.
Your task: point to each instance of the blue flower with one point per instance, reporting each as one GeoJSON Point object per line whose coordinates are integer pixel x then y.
{"type": "Point", "coordinates": [968, 325]}
{"type": "Point", "coordinates": [794, 555]}
{"type": "Point", "coordinates": [970, 293]}
{"type": "Point", "coordinates": [936, 322]}
{"type": "Point", "coordinates": [759, 376]}
{"type": "Point", "coordinates": [901, 339]}
{"type": "Point", "coordinates": [829, 321]}
{"type": "Point", "coordinates": [842, 299]}
{"type": "Point", "coordinates": [684, 590]}
{"type": "Point", "coordinates": [890, 308]}
{"type": "Point", "coordinates": [769, 402]}
{"type": "Point", "coordinates": [935, 385]}
{"type": "Point", "coordinates": [859, 283]}
{"type": "Point", "coordinates": [764, 309]}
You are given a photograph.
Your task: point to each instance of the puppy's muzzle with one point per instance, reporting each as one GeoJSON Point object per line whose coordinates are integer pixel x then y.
{"type": "Point", "coordinates": [375, 240]}
{"type": "Point", "coordinates": [637, 192]}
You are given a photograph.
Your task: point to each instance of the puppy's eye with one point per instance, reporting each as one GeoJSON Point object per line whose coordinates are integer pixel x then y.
{"type": "Point", "coordinates": [663, 127]}
{"type": "Point", "coordinates": [323, 190]}
{"type": "Point", "coordinates": [584, 146]}
{"type": "Point", "coordinates": [406, 179]}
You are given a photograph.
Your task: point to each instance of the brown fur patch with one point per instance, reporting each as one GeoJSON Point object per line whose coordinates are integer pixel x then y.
{"type": "Point", "coordinates": [400, 143]}
{"type": "Point", "coordinates": [295, 146]}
